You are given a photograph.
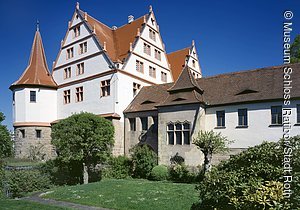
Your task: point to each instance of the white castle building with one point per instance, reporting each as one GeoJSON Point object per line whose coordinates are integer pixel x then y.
{"type": "Point", "coordinates": [101, 69]}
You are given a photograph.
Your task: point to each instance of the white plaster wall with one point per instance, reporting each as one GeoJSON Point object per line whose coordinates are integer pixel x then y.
{"type": "Point", "coordinates": [259, 120]}
{"type": "Point", "coordinates": [70, 34]}
{"type": "Point", "coordinates": [43, 110]}
{"type": "Point", "coordinates": [92, 66]}
{"type": "Point", "coordinates": [125, 92]}
{"type": "Point", "coordinates": [92, 101]}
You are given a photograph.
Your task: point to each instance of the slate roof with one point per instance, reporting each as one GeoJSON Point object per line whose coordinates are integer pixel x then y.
{"type": "Point", "coordinates": [231, 88]}
{"type": "Point", "coordinates": [36, 73]}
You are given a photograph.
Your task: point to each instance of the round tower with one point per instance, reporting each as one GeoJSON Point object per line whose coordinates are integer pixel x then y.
{"type": "Point", "coordinates": [34, 106]}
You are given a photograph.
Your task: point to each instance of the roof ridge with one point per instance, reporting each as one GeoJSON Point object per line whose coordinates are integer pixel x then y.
{"type": "Point", "coordinates": [179, 50]}
{"type": "Point", "coordinates": [129, 23]}
{"type": "Point", "coordinates": [250, 70]}
{"type": "Point", "coordinates": [96, 20]}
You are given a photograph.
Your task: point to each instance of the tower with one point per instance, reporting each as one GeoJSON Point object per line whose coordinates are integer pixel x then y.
{"type": "Point", "coordinates": [34, 106]}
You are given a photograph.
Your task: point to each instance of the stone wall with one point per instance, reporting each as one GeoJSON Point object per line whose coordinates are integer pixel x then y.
{"type": "Point", "coordinates": [30, 146]}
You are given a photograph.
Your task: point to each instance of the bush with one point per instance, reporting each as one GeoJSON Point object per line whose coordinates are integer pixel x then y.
{"type": "Point", "coordinates": [143, 159]}
{"type": "Point", "coordinates": [159, 173]}
{"type": "Point", "coordinates": [62, 173]}
{"type": "Point", "coordinates": [119, 168]}
{"type": "Point", "coordinates": [251, 180]}
{"type": "Point", "coordinates": [1, 178]}
{"type": "Point", "coordinates": [180, 173]}
{"type": "Point", "coordinates": [21, 182]}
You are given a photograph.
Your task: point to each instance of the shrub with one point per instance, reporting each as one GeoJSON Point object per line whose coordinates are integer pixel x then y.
{"type": "Point", "coordinates": [1, 178]}
{"type": "Point", "coordinates": [119, 168]}
{"type": "Point", "coordinates": [251, 180]}
{"type": "Point", "coordinates": [62, 173]}
{"type": "Point", "coordinates": [180, 173]}
{"type": "Point", "coordinates": [143, 159]}
{"type": "Point", "coordinates": [159, 173]}
{"type": "Point", "coordinates": [21, 182]}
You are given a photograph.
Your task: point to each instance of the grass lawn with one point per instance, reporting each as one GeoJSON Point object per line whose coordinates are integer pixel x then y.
{"type": "Point", "coordinates": [129, 194]}
{"type": "Point", "coordinates": [25, 205]}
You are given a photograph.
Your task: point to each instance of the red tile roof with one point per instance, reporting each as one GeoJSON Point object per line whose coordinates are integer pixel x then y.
{"type": "Point", "coordinates": [117, 41]}
{"type": "Point", "coordinates": [177, 60]}
{"type": "Point", "coordinates": [36, 73]}
{"type": "Point", "coordinates": [257, 85]}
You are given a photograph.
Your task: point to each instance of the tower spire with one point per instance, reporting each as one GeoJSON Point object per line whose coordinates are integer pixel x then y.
{"type": "Point", "coordinates": [37, 25]}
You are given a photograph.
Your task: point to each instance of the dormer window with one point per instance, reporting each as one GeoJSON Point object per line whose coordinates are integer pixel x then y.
{"type": "Point", "coordinates": [76, 32]}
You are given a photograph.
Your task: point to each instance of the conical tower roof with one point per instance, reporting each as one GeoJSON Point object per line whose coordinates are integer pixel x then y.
{"type": "Point", "coordinates": [36, 73]}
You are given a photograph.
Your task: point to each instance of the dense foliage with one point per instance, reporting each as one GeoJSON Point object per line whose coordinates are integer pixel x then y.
{"type": "Point", "coordinates": [5, 139]}
{"type": "Point", "coordinates": [210, 143]}
{"type": "Point", "coordinates": [295, 50]}
{"type": "Point", "coordinates": [84, 138]}
{"type": "Point", "coordinates": [251, 180]}
{"type": "Point", "coordinates": [118, 168]}
{"type": "Point", "coordinates": [159, 173]}
{"type": "Point", "coordinates": [21, 182]}
{"type": "Point", "coordinates": [143, 160]}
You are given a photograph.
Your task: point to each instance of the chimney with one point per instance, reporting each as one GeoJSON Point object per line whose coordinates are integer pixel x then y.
{"type": "Point", "coordinates": [130, 18]}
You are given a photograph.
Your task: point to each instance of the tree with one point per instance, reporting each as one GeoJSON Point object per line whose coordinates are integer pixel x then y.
{"type": "Point", "coordinates": [5, 139]}
{"type": "Point", "coordinates": [84, 138]}
{"type": "Point", "coordinates": [210, 143]}
{"type": "Point", "coordinates": [295, 50]}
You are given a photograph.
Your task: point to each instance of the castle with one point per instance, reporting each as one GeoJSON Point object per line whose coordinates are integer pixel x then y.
{"type": "Point", "coordinates": [125, 75]}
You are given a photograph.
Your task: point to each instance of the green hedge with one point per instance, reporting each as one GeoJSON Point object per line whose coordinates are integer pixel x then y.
{"type": "Point", "coordinates": [21, 182]}
{"type": "Point", "coordinates": [118, 168]}
{"type": "Point", "coordinates": [251, 180]}
{"type": "Point", "coordinates": [159, 173]}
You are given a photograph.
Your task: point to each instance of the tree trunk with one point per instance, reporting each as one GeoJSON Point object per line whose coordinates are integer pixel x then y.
{"type": "Point", "coordinates": [85, 174]}
{"type": "Point", "coordinates": [207, 162]}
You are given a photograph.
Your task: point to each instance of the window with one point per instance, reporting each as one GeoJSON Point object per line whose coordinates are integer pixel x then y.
{"type": "Point", "coordinates": [38, 134]}
{"type": "Point", "coordinates": [276, 115]}
{"type": "Point", "coordinates": [105, 88]}
{"type": "Point", "coordinates": [139, 66]}
{"type": "Point", "coordinates": [243, 117]}
{"type": "Point", "coordinates": [221, 118]}
{"type": "Point", "coordinates": [22, 133]}
{"type": "Point", "coordinates": [80, 69]}
{"type": "Point", "coordinates": [298, 113]}
{"type": "Point", "coordinates": [152, 35]}
{"type": "Point", "coordinates": [179, 133]}
{"type": "Point", "coordinates": [147, 49]}
{"type": "Point", "coordinates": [152, 72]}
{"type": "Point", "coordinates": [32, 96]}
{"type": "Point", "coordinates": [67, 73]}
{"type": "Point", "coordinates": [79, 94]}
{"type": "Point", "coordinates": [83, 48]}
{"type": "Point", "coordinates": [144, 121]}
{"type": "Point", "coordinates": [157, 54]}
{"type": "Point", "coordinates": [76, 32]}
{"type": "Point", "coordinates": [136, 88]}
{"type": "Point", "coordinates": [132, 124]}
{"type": "Point", "coordinates": [163, 76]}
{"type": "Point", "coordinates": [67, 96]}
{"type": "Point", "coordinates": [70, 53]}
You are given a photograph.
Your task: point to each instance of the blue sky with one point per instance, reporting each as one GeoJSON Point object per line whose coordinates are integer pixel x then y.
{"type": "Point", "coordinates": [229, 35]}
